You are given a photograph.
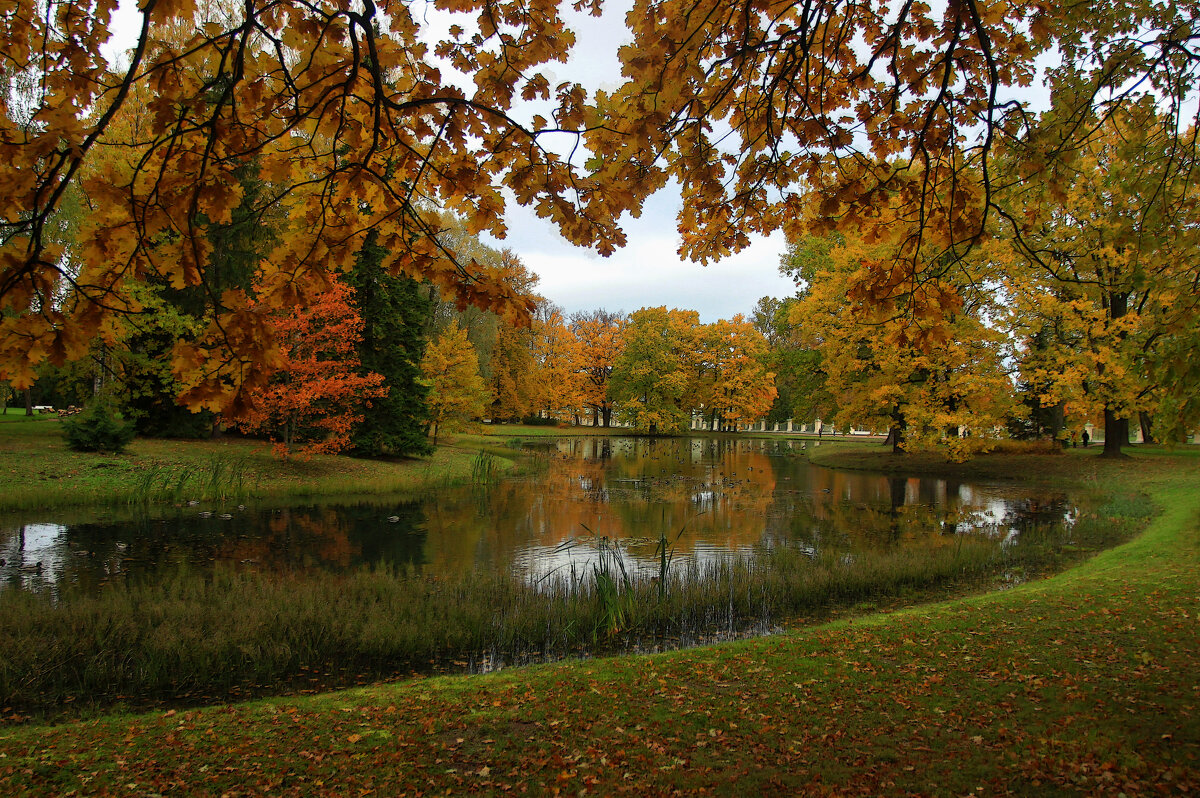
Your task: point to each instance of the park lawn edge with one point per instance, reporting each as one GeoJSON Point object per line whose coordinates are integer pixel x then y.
{"type": "Point", "coordinates": [40, 473]}
{"type": "Point", "coordinates": [1083, 683]}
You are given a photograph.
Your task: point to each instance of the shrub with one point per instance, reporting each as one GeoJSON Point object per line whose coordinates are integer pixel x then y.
{"type": "Point", "coordinates": [99, 428]}
{"type": "Point", "coordinates": [539, 421]}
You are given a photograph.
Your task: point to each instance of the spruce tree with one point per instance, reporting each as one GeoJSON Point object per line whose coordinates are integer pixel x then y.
{"type": "Point", "coordinates": [395, 312]}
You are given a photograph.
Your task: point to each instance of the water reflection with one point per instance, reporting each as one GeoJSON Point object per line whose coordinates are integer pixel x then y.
{"type": "Point", "coordinates": [709, 498]}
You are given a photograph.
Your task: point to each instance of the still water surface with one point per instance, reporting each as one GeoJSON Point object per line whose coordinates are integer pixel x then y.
{"type": "Point", "coordinates": [708, 498]}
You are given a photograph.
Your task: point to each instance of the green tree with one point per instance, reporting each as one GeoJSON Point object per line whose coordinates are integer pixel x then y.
{"type": "Point", "coordinates": [395, 312]}
{"type": "Point", "coordinates": [653, 379]}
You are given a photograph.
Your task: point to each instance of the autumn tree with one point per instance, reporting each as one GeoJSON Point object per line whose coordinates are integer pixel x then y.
{"type": "Point", "coordinates": [317, 392]}
{"type": "Point", "coordinates": [653, 378]}
{"type": "Point", "coordinates": [456, 391]}
{"type": "Point", "coordinates": [1104, 267]}
{"type": "Point", "coordinates": [599, 334]}
{"type": "Point", "coordinates": [558, 381]}
{"type": "Point", "coordinates": [818, 116]}
{"type": "Point", "coordinates": [807, 116]}
{"type": "Point", "coordinates": [342, 109]}
{"type": "Point", "coordinates": [736, 385]}
{"type": "Point", "coordinates": [511, 374]}
{"type": "Point", "coordinates": [878, 376]}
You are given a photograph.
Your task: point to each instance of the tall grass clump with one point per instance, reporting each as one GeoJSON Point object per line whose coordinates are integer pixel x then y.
{"type": "Point", "coordinates": [195, 635]}
{"type": "Point", "coordinates": [484, 467]}
{"type": "Point", "coordinates": [219, 479]}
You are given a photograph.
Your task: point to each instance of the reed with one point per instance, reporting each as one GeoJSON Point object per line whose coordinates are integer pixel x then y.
{"type": "Point", "coordinates": [208, 635]}
{"type": "Point", "coordinates": [217, 479]}
{"type": "Point", "coordinates": [484, 468]}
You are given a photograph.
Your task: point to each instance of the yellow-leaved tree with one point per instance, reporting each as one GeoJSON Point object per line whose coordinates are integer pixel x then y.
{"type": "Point", "coordinates": [877, 375]}
{"type": "Point", "coordinates": [457, 393]}
{"type": "Point", "coordinates": [735, 385]}
{"type": "Point", "coordinates": [599, 335]}
{"type": "Point", "coordinates": [1102, 275]}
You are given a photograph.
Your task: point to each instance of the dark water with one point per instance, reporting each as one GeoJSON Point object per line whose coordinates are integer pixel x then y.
{"type": "Point", "coordinates": [708, 498]}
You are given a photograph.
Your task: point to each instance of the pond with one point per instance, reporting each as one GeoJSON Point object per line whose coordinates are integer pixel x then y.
{"type": "Point", "coordinates": [706, 498]}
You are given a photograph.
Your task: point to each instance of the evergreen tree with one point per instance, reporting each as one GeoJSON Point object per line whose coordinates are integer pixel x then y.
{"type": "Point", "coordinates": [395, 313]}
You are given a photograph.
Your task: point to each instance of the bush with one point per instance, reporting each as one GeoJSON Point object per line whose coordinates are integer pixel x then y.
{"type": "Point", "coordinates": [99, 428]}
{"type": "Point", "coordinates": [539, 421]}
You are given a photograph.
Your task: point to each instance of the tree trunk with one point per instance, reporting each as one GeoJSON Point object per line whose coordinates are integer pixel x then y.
{"type": "Point", "coordinates": [1144, 422]}
{"type": "Point", "coordinates": [1116, 430]}
{"type": "Point", "coordinates": [1116, 434]}
{"type": "Point", "coordinates": [895, 434]}
{"type": "Point", "coordinates": [29, 401]}
{"type": "Point", "coordinates": [606, 412]}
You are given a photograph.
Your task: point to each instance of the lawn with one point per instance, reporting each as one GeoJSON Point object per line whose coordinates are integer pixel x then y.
{"type": "Point", "coordinates": [38, 471]}
{"type": "Point", "coordinates": [1084, 683]}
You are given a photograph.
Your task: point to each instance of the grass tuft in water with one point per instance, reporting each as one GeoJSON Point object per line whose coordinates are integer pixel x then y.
{"type": "Point", "coordinates": [194, 635]}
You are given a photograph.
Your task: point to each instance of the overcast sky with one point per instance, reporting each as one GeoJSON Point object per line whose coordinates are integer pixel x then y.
{"type": "Point", "coordinates": [648, 271]}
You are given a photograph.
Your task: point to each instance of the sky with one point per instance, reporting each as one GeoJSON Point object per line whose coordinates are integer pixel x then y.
{"type": "Point", "coordinates": [648, 271]}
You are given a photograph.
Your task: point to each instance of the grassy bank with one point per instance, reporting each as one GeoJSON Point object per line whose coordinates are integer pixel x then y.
{"type": "Point", "coordinates": [196, 636]}
{"type": "Point", "coordinates": [38, 471]}
{"type": "Point", "coordinates": [1080, 684]}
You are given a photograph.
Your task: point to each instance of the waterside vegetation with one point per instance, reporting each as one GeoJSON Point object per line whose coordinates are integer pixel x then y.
{"type": "Point", "coordinates": [196, 637]}
{"type": "Point", "coordinates": [1081, 683]}
{"type": "Point", "coordinates": [40, 472]}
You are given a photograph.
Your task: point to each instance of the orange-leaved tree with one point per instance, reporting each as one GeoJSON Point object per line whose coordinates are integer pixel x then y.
{"type": "Point", "coordinates": [599, 334]}
{"type": "Point", "coordinates": [346, 115]}
{"type": "Point", "coordinates": [317, 392]}
{"type": "Point", "coordinates": [556, 352]}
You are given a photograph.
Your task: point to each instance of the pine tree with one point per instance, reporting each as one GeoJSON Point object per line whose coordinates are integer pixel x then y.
{"type": "Point", "coordinates": [395, 313]}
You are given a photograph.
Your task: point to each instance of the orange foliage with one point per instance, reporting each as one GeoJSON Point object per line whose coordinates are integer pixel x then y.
{"type": "Point", "coordinates": [315, 397]}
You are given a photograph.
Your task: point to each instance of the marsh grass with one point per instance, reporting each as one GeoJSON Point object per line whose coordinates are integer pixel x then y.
{"type": "Point", "coordinates": [193, 637]}
{"type": "Point", "coordinates": [218, 479]}
{"type": "Point", "coordinates": [485, 468]}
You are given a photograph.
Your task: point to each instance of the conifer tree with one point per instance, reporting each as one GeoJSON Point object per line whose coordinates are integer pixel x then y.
{"type": "Point", "coordinates": [395, 313]}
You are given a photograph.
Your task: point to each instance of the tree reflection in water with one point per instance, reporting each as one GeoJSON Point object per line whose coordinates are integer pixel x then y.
{"type": "Point", "coordinates": [710, 498]}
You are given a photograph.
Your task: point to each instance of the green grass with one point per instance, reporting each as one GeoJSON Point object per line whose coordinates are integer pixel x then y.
{"type": "Point", "coordinates": [15, 414]}
{"type": "Point", "coordinates": [1084, 683]}
{"type": "Point", "coordinates": [38, 471]}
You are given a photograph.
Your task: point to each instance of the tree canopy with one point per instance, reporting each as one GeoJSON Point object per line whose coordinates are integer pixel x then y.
{"type": "Point", "coordinates": [901, 120]}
